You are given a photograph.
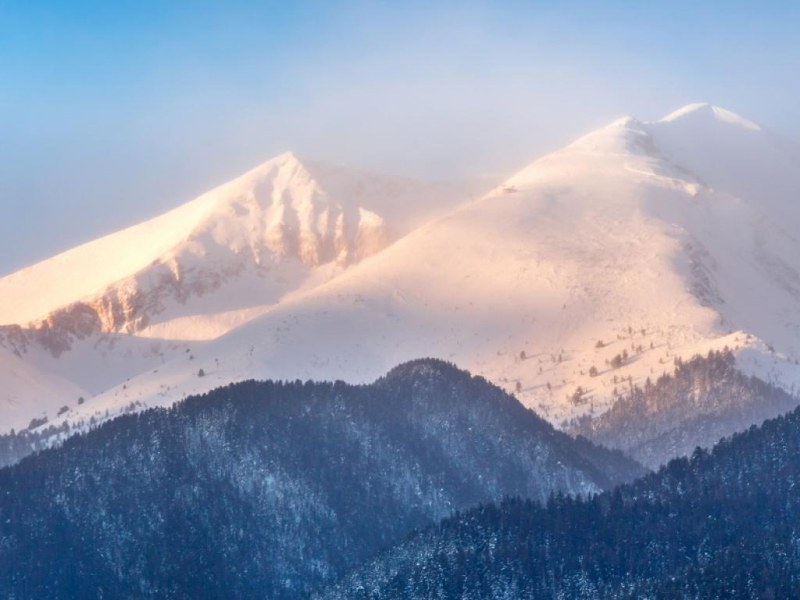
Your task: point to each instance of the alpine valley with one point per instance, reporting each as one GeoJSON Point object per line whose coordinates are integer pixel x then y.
{"type": "Point", "coordinates": [580, 282]}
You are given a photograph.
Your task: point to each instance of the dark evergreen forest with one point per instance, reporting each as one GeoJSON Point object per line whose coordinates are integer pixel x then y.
{"type": "Point", "coordinates": [721, 524]}
{"type": "Point", "coordinates": [272, 489]}
{"type": "Point", "coordinates": [650, 423]}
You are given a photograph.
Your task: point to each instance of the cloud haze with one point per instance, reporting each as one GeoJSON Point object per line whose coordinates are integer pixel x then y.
{"type": "Point", "coordinates": [114, 112]}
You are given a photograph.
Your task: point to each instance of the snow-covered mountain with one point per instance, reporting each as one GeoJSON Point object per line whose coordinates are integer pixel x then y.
{"type": "Point", "coordinates": [112, 308]}
{"type": "Point", "coordinates": [244, 244]}
{"type": "Point", "coordinates": [589, 270]}
{"type": "Point", "coordinates": [30, 392]}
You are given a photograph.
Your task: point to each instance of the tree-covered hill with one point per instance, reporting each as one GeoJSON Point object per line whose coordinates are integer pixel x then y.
{"type": "Point", "coordinates": [268, 490]}
{"type": "Point", "coordinates": [704, 400]}
{"type": "Point", "coordinates": [724, 524]}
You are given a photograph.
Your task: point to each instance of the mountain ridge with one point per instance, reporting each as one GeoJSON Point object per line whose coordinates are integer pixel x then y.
{"type": "Point", "coordinates": [274, 211]}
{"type": "Point", "coordinates": [270, 488]}
{"type": "Point", "coordinates": [592, 268]}
{"type": "Point", "coordinates": [720, 523]}
{"type": "Point", "coordinates": [684, 250]}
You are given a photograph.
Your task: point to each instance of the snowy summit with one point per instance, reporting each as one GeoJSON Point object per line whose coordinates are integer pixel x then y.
{"type": "Point", "coordinates": [589, 270]}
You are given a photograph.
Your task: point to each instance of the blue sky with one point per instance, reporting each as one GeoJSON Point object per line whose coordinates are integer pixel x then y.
{"type": "Point", "coordinates": [111, 112]}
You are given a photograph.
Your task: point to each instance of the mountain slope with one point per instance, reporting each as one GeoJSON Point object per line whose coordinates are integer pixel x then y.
{"type": "Point", "coordinates": [266, 231]}
{"type": "Point", "coordinates": [597, 264]}
{"type": "Point", "coordinates": [720, 525]}
{"type": "Point", "coordinates": [124, 304]}
{"type": "Point", "coordinates": [268, 489]}
{"type": "Point", "coordinates": [651, 423]}
{"type": "Point", "coordinates": [586, 273]}
{"type": "Point", "coordinates": [30, 393]}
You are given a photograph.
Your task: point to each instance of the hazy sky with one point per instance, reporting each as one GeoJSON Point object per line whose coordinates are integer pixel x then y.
{"type": "Point", "coordinates": [112, 111]}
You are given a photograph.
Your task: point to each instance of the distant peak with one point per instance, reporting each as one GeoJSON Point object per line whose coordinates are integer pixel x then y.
{"type": "Point", "coordinates": [624, 122]}
{"type": "Point", "coordinates": [288, 158]}
{"type": "Point", "coordinates": [706, 111]}
{"type": "Point", "coordinates": [284, 162]}
{"type": "Point", "coordinates": [620, 126]}
{"type": "Point", "coordinates": [620, 135]}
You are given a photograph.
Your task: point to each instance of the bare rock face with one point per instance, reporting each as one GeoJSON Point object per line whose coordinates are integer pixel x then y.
{"type": "Point", "coordinates": [275, 218]}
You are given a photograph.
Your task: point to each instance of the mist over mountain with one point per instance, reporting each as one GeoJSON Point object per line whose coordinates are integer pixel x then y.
{"type": "Point", "coordinates": [96, 315]}
{"type": "Point", "coordinates": [243, 244]}
{"type": "Point", "coordinates": [639, 288]}
{"type": "Point", "coordinates": [584, 275]}
{"type": "Point", "coordinates": [380, 301]}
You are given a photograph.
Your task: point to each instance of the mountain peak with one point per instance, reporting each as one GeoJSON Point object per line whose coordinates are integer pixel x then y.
{"type": "Point", "coordinates": [274, 222]}
{"type": "Point", "coordinates": [705, 112]}
{"type": "Point", "coordinates": [286, 162]}
{"type": "Point", "coordinates": [625, 122]}
{"type": "Point", "coordinates": [287, 158]}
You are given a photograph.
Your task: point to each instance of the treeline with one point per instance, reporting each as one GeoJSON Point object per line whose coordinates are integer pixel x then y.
{"type": "Point", "coordinates": [704, 400]}
{"type": "Point", "coordinates": [722, 524]}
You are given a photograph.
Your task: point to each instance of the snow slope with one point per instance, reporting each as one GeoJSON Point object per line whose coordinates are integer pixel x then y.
{"type": "Point", "coordinates": [589, 270]}
{"type": "Point", "coordinates": [31, 393]}
{"type": "Point", "coordinates": [124, 304]}
{"type": "Point", "coordinates": [267, 232]}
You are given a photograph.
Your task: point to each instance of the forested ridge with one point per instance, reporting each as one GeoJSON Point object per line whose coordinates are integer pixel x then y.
{"type": "Point", "coordinates": [650, 421]}
{"type": "Point", "coordinates": [720, 524]}
{"type": "Point", "coordinates": [271, 489]}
